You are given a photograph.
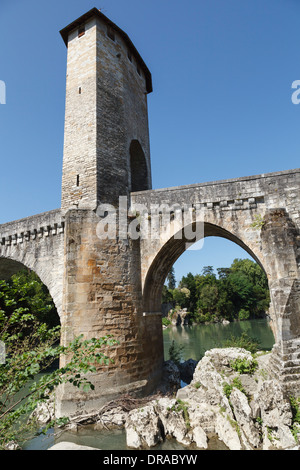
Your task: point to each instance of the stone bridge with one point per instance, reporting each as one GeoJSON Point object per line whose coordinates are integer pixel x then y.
{"type": "Point", "coordinates": [36, 243]}
{"type": "Point", "coordinates": [111, 283]}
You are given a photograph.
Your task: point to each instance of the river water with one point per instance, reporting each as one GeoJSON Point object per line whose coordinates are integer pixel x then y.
{"type": "Point", "coordinates": [200, 338]}
{"type": "Point", "coordinates": [195, 341]}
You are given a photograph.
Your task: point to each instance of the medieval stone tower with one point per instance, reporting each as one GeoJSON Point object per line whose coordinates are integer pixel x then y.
{"type": "Point", "coordinates": [106, 155]}
{"type": "Point", "coordinates": [106, 150]}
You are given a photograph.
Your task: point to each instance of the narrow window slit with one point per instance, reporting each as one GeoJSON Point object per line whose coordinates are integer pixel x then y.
{"type": "Point", "coordinates": [81, 31]}
{"type": "Point", "coordinates": [111, 34]}
{"type": "Point", "coordinates": [77, 180]}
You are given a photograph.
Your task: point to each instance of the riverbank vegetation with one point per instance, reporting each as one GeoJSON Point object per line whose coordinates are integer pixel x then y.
{"type": "Point", "coordinates": [237, 293]}
{"type": "Point", "coordinates": [29, 346]}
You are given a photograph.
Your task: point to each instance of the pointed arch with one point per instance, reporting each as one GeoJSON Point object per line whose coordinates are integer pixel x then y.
{"type": "Point", "coordinates": [169, 253]}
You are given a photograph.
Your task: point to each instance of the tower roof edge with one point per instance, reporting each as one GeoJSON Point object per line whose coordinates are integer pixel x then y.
{"type": "Point", "coordinates": [95, 12]}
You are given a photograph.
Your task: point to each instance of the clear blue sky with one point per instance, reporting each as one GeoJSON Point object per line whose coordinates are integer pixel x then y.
{"type": "Point", "coordinates": [221, 107]}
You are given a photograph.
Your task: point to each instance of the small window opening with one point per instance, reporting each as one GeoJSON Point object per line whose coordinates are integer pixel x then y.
{"type": "Point", "coordinates": [79, 90]}
{"type": "Point", "coordinates": [138, 167]}
{"type": "Point", "coordinates": [111, 34]}
{"type": "Point", "coordinates": [77, 181]}
{"type": "Point", "coordinates": [81, 31]}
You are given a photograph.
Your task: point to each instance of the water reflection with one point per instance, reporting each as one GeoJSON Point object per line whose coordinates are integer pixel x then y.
{"type": "Point", "coordinates": [199, 338]}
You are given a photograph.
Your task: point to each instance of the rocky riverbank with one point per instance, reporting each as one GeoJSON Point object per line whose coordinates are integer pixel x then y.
{"type": "Point", "coordinates": [231, 397]}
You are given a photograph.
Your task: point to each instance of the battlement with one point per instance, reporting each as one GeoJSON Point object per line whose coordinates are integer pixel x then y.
{"type": "Point", "coordinates": [32, 228]}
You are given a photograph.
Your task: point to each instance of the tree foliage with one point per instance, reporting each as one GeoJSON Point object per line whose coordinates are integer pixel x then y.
{"type": "Point", "coordinates": [239, 292]}
{"type": "Point", "coordinates": [31, 347]}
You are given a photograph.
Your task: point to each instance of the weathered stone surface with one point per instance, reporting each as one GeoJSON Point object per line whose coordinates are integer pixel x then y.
{"type": "Point", "coordinates": [37, 243]}
{"type": "Point", "coordinates": [112, 419]}
{"type": "Point", "coordinates": [227, 432]}
{"type": "Point", "coordinates": [143, 428]}
{"type": "Point", "coordinates": [187, 369]}
{"type": "Point", "coordinates": [199, 437]}
{"type": "Point", "coordinates": [171, 379]}
{"type": "Point", "coordinates": [44, 412]}
{"type": "Point", "coordinates": [244, 417]}
{"type": "Point", "coordinates": [173, 421]}
{"type": "Point", "coordinates": [70, 446]}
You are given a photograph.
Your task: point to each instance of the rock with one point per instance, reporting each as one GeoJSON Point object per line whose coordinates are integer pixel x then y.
{"type": "Point", "coordinates": [180, 317]}
{"type": "Point", "coordinates": [170, 376]}
{"type": "Point", "coordinates": [187, 370]}
{"type": "Point", "coordinates": [236, 423]}
{"type": "Point", "coordinates": [114, 418]}
{"type": "Point", "coordinates": [143, 428]}
{"type": "Point", "coordinates": [200, 438]}
{"type": "Point", "coordinates": [275, 409]}
{"type": "Point", "coordinates": [203, 415]}
{"type": "Point", "coordinates": [70, 446]}
{"type": "Point", "coordinates": [207, 385]}
{"type": "Point", "coordinates": [276, 415]}
{"type": "Point", "coordinates": [243, 415]}
{"type": "Point", "coordinates": [174, 419]}
{"type": "Point", "coordinates": [212, 405]}
{"type": "Point", "coordinates": [223, 357]}
{"type": "Point", "coordinates": [44, 412]}
{"type": "Point", "coordinates": [226, 429]}
{"type": "Point", "coordinates": [12, 445]}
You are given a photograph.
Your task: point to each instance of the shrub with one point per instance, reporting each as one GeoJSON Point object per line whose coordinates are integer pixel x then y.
{"type": "Point", "coordinates": [166, 321]}
{"type": "Point", "coordinates": [243, 366]}
{"type": "Point", "coordinates": [175, 353]}
{"type": "Point", "coordinates": [244, 314]}
{"type": "Point", "coordinates": [244, 341]}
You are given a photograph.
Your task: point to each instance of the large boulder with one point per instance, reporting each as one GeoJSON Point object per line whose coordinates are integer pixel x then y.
{"type": "Point", "coordinates": [275, 414]}
{"type": "Point", "coordinates": [187, 370]}
{"type": "Point", "coordinates": [143, 428]}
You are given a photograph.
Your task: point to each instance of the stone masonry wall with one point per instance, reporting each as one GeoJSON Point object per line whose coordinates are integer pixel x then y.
{"type": "Point", "coordinates": [106, 108]}
{"type": "Point", "coordinates": [103, 296]}
{"type": "Point", "coordinates": [37, 243]}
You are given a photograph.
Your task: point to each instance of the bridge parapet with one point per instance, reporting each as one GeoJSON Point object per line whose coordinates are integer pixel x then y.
{"type": "Point", "coordinates": [279, 189]}
{"type": "Point", "coordinates": [32, 228]}
{"type": "Point", "coordinates": [37, 243]}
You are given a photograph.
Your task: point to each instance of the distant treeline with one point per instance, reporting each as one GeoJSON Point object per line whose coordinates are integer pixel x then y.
{"type": "Point", "coordinates": [239, 292]}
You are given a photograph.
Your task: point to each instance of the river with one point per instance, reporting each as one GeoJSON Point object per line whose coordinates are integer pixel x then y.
{"type": "Point", "coordinates": [199, 338]}
{"type": "Point", "coordinates": [195, 341]}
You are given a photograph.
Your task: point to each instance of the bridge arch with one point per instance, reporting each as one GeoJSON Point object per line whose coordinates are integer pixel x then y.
{"type": "Point", "coordinates": [169, 252]}
{"type": "Point", "coordinates": [11, 265]}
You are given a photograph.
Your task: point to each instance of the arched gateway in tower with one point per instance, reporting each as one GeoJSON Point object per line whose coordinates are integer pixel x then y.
{"type": "Point", "coordinates": [104, 264]}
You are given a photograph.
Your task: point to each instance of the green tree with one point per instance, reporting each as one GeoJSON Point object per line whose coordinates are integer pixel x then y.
{"type": "Point", "coordinates": [239, 292]}
{"type": "Point", "coordinates": [208, 299]}
{"type": "Point", "coordinates": [189, 283]}
{"type": "Point", "coordinates": [208, 271]}
{"type": "Point", "coordinates": [181, 297]}
{"type": "Point", "coordinates": [26, 291]}
{"type": "Point", "coordinates": [31, 348]}
{"type": "Point", "coordinates": [171, 281]}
